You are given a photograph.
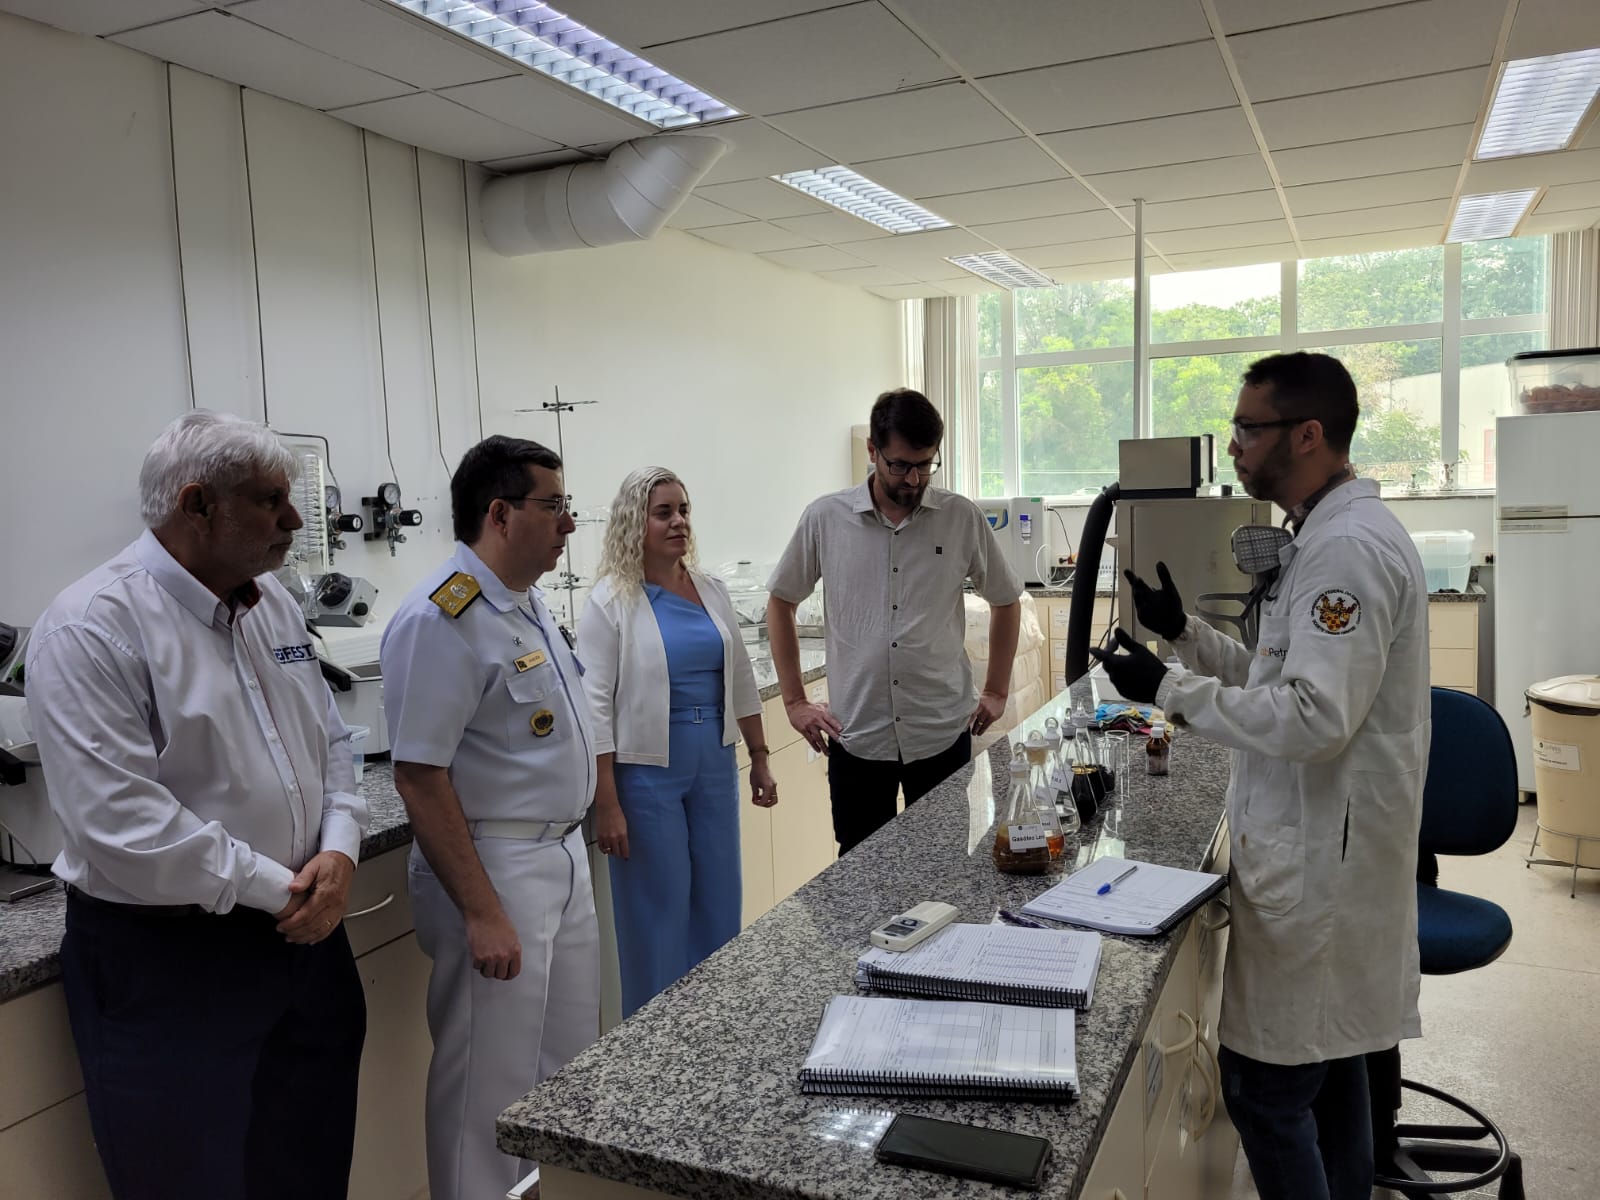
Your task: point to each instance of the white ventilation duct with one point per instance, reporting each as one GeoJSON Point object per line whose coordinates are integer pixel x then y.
{"type": "Point", "coordinates": [626, 198]}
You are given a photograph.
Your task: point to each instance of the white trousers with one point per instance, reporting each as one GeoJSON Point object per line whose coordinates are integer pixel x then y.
{"type": "Point", "coordinates": [494, 1039]}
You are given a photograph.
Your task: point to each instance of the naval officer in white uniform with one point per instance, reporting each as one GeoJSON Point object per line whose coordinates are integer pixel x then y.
{"type": "Point", "coordinates": [495, 760]}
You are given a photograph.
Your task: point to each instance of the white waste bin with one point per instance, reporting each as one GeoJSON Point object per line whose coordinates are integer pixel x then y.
{"type": "Point", "coordinates": [1565, 715]}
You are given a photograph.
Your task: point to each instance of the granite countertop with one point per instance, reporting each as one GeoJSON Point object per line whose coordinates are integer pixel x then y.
{"type": "Point", "coordinates": [31, 929]}
{"type": "Point", "coordinates": [1473, 595]}
{"type": "Point", "coordinates": [1062, 591]}
{"type": "Point", "coordinates": [813, 664]}
{"type": "Point", "coordinates": [697, 1096]}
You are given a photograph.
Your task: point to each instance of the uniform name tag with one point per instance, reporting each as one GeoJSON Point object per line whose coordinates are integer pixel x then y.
{"type": "Point", "coordinates": [529, 661]}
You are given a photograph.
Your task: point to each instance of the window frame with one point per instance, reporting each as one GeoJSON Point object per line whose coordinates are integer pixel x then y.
{"type": "Point", "coordinates": [1449, 331]}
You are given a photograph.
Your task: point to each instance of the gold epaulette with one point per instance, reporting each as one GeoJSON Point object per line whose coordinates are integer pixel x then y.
{"type": "Point", "coordinates": [456, 593]}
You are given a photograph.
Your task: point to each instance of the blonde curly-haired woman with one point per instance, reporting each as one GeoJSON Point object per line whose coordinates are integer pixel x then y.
{"type": "Point", "coordinates": [668, 681]}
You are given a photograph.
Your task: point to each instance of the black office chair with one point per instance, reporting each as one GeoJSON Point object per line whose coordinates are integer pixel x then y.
{"type": "Point", "coordinates": [1469, 806]}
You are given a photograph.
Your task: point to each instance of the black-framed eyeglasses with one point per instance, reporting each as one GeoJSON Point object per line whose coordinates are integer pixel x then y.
{"type": "Point", "coordinates": [556, 505]}
{"type": "Point", "coordinates": [1245, 431]}
{"type": "Point", "coordinates": [900, 470]}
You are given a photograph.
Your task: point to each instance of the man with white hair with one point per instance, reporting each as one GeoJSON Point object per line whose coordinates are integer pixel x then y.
{"type": "Point", "coordinates": [208, 805]}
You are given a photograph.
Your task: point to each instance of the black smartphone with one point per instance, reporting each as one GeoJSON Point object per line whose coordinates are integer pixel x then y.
{"type": "Point", "coordinates": [993, 1155]}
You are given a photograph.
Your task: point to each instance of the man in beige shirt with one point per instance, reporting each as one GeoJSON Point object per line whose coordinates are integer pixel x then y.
{"type": "Point", "coordinates": [895, 555]}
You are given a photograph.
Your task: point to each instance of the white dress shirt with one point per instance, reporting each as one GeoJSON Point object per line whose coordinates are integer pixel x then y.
{"type": "Point", "coordinates": [898, 676]}
{"type": "Point", "coordinates": [628, 683]}
{"type": "Point", "coordinates": [191, 757]}
{"type": "Point", "coordinates": [471, 693]}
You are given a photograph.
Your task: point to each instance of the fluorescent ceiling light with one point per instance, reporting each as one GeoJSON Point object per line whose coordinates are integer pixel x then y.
{"type": "Point", "coordinates": [1539, 103]}
{"type": "Point", "coordinates": [1490, 215]}
{"type": "Point", "coordinates": [860, 197]}
{"type": "Point", "coordinates": [1003, 269]}
{"type": "Point", "coordinates": [552, 43]}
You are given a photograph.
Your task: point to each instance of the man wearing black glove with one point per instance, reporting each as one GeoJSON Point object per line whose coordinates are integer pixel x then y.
{"type": "Point", "coordinates": [1328, 718]}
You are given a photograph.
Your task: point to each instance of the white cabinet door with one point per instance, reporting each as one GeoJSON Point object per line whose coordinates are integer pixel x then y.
{"type": "Point", "coordinates": [391, 1159]}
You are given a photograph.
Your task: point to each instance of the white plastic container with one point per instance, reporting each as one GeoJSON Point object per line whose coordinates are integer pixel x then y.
{"type": "Point", "coordinates": [358, 738]}
{"type": "Point", "coordinates": [1549, 381]}
{"type": "Point", "coordinates": [1446, 557]}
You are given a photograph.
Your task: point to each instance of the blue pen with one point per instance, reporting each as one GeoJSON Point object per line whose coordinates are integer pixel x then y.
{"type": "Point", "coordinates": [1011, 918]}
{"type": "Point", "coordinates": [1106, 887]}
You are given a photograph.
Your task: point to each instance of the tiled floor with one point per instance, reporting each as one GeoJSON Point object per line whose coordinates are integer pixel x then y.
{"type": "Point", "coordinates": [1520, 1038]}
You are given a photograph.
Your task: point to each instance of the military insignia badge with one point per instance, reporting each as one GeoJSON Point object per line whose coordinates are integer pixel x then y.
{"type": "Point", "coordinates": [456, 593]}
{"type": "Point", "coordinates": [542, 722]}
{"type": "Point", "coordinates": [1336, 611]}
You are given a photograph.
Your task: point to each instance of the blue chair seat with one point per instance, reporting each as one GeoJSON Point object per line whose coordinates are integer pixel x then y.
{"type": "Point", "coordinates": [1457, 932]}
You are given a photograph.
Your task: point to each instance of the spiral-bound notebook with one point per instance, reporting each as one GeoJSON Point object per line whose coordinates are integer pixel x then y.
{"type": "Point", "coordinates": [1144, 899]}
{"type": "Point", "coordinates": [882, 1046]}
{"type": "Point", "coordinates": [1051, 968]}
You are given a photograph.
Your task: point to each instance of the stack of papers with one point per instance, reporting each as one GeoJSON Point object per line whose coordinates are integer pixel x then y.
{"type": "Point", "coordinates": [1148, 901]}
{"type": "Point", "coordinates": [1052, 968]}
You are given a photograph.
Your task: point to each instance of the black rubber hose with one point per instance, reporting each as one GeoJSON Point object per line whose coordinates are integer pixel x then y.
{"type": "Point", "coordinates": [1081, 618]}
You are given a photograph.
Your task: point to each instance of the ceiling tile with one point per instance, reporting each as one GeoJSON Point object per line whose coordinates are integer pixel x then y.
{"type": "Point", "coordinates": [1425, 103]}
{"type": "Point", "coordinates": [1373, 156]}
{"type": "Point", "coordinates": [1210, 210]}
{"type": "Point", "coordinates": [1237, 16]}
{"type": "Point", "coordinates": [1068, 254]}
{"type": "Point", "coordinates": [988, 39]}
{"type": "Point", "coordinates": [941, 172]}
{"type": "Point", "coordinates": [755, 236]}
{"type": "Point", "coordinates": [914, 252]}
{"type": "Point", "coordinates": [908, 291]}
{"type": "Point", "coordinates": [841, 54]}
{"type": "Point", "coordinates": [1365, 243]}
{"type": "Point", "coordinates": [756, 150]}
{"type": "Point", "coordinates": [1018, 203]}
{"type": "Point", "coordinates": [1223, 237]}
{"type": "Point", "coordinates": [833, 227]}
{"type": "Point", "coordinates": [763, 199]}
{"type": "Point", "coordinates": [549, 109]}
{"type": "Point", "coordinates": [1534, 170]}
{"type": "Point", "coordinates": [1561, 222]}
{"type": "Point", "coordinates": [1399, 188]}
{"type": "Point", "coordinates": [868, 276]}
{"type": "Point", "coordinates": [1043, 231]}
{"type": "Point", "coordinates": [379, 38]}
{"type": "Point", "coordinates": [1185, 181]}
{"type": "Point", "coordinates": [696, 213]}
{"type": "Point", "coordinates": [934, 118]}
{"type": "Point", "coordinates": [1553, 26]}
{"type": "Point", "coordinates": [538, 162]}
{"type": "Point", "coordinates": [638, 26]}
{"type": "Point", "coordinates": [1234, 256]}
{"type": "Point", "coordinates": [1129, 87]}
{"type": "Point", "coordinates": [969, 285]}
{"type": "Point", "coordinates": [1097, 271]}
{"type": "Point", "coordinates": [1156, 142]}
{"type": "Point", "coordinates": [100, 16]}
{"type": "Point", "coordinates": [423, 119]}
{"type": "Point", "coordinates": [1395, 42]}
{"type": "Point", "coordinates": [816, 258]}
{"type": "Point", "coordinates": [1379, 219]}
{"type": "Point", "coordinates": [214, 43]}
{"type": "Point", "coordinates": [1567, 196]}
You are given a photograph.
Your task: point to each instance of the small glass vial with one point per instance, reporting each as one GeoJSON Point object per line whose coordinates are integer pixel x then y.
{"type": "Point", "coordinates": [1158, 751]}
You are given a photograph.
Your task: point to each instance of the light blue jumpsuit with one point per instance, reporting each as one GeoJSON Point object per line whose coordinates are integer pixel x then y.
{"type": "Point", "coordinates": [678, 896]}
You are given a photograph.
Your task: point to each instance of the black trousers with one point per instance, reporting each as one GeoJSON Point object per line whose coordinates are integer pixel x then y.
{"type": "Point", "coordinates": [862, 791]}
{"type": "Point", "coordinates": [219, 1061]}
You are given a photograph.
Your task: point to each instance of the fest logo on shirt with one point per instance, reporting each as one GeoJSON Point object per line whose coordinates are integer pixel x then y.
{"type": "Point", "coordinates": [305, 652]}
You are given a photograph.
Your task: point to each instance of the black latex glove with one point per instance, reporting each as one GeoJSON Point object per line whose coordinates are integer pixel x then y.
{"type": "Point", "coordinates": [1135, 673]}
{"type": "Point", "coordinates": [1160, 612]}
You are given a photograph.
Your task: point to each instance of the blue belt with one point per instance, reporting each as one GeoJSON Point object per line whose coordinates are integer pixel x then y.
{"type": "Point", "coordinates": [697, 715]}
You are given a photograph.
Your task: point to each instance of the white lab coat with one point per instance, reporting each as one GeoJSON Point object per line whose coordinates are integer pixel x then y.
{"type": "Point", "coordinates": [626, 675]}
{"type": "Point", "coordinates": [1329, 724]}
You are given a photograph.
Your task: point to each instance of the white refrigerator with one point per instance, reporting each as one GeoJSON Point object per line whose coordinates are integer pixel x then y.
{"type": "Point", "coordinates": [1547, 559]}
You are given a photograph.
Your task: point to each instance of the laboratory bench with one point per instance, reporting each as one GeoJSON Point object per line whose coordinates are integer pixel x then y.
{"type": "Point", "coordinates": [697, 1094]}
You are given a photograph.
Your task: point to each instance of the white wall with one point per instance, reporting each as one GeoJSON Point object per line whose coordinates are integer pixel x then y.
{"type": "Point", "coordinates": [328, 280]}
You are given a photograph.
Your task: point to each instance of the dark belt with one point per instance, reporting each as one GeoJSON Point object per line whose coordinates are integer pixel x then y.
{"type": "Point", "coordinates": [79, 896]}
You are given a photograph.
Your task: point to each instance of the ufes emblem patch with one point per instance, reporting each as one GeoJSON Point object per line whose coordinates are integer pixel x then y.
{"type": "Point", "coordinates": [1336, 611]}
